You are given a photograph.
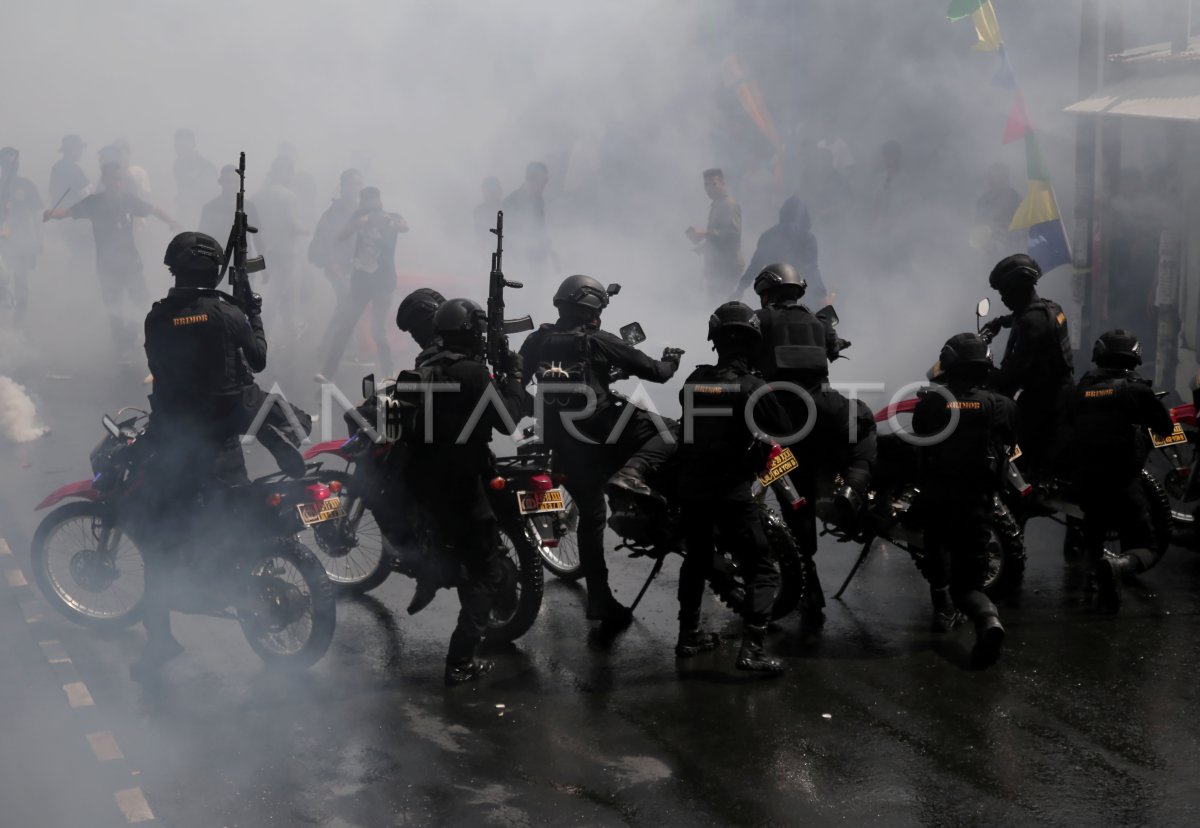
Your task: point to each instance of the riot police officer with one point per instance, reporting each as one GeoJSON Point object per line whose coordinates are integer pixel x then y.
{"type": "Point", "coordinates": [796, 348]}
{"type": "Point", "coordinates": [196, 341]}
{"type": "Point", "coordinates": [974, 428]}
{"type": "Point", "coordinates": [415, 317]}
{"type": "Point", "coordinates": [1037, 359]}
{"type": "Point", "coordinates": [573, 361]}
{"type": "Point", "coordinates": [1106, 417]}
{"type": "Point", "coordinates": [447, 475]}
{"type": "Point", "coordinates": [717, 466]}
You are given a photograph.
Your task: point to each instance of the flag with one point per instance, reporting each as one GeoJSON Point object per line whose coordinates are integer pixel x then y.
{"type": "Point", "coordinates": [750, 96]}
{"type": "Point", "coordinates": [983, 15]}
{"type": "Point", "coordinates": [1018, 121]}
{"type": "Point", "coordinates": [1038, 213]}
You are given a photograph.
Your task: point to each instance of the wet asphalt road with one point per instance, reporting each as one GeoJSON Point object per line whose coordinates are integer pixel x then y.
{"type": "Point", "coordinates": [1087, 719]}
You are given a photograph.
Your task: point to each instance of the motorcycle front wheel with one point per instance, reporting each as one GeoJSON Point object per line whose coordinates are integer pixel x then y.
{"type": "Point", "coordinates": [288, 613]}
{"type": "Point", "coordinates": [87, 568]}
{"type": "Point", "coordinates": [520, 599]}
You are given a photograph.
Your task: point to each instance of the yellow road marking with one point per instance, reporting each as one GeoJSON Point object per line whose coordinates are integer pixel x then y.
{"type": "Point", "coordinates": [133, 805]}
{"type": "Point", "coordinates": [5, 549]}
{"type": "Point", "coordinates": [15, 578]}
{"type": "Point", "coordinates": [104, 745]}
{"type": "Point", "coordinates": [31, 613]}
{"type": "Point", "coordinates": [54, 651]}
{"type": "Point", "coordinates": [78, 695]}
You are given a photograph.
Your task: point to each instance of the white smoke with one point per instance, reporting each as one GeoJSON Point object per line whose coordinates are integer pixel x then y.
{"type": "Point", "coordinates": [18, 416]}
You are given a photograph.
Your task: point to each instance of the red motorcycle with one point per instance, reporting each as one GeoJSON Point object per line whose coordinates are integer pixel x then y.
{"type": "Point", "coordinates": [379, 533]}
{"type": "Point", "coordinates": [1174, 464]}
{"type": "Point", "coordinates": [87, 563]}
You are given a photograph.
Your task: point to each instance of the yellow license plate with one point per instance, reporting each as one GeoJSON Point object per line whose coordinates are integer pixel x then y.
{"type": "Point", "coordinates": [783, 463]}
{"type": "Point", "coordinates": [311, 513]}
{"type": "Point", "coordinates": [1177, 436]}
{"type": "Point", "coordinates": [531, 502]}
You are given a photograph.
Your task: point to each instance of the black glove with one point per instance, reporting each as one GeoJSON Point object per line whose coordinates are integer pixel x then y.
{"type": "Point", "coordinates": [253, 305]}
{"type": "Point", "coordinates": [990, 329]}
{"type": "Point", "coordinates": [672, 355]}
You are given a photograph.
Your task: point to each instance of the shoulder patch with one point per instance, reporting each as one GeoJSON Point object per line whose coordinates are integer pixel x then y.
{"type": "Point", "coordinates": [1099, 392]}
{"type": "Point", "coordinates": [1061, 319]}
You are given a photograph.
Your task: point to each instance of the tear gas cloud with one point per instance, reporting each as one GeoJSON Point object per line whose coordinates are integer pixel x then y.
{"type": "Point", "coordinates": [626, 103]}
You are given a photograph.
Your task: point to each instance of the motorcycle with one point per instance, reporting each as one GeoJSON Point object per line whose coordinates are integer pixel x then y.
{"type": "Point", "coordinates": [1174, 463]}
{"type": "Point", "coordinates": [890, 515]}
{"type": "Point", "coordinates": [87, 564]}
{"type": "Point", "coordinates": [379, 535]}
{"type": "Point", "coordinates": [1054, 498]}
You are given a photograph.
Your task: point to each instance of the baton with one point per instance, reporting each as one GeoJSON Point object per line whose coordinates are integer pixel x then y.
{"type": "Point", "coordinates": [60, 201]}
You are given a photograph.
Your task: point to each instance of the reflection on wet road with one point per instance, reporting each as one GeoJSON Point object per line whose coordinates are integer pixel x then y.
{"type": "Point", "coordinates": [1087, 719]}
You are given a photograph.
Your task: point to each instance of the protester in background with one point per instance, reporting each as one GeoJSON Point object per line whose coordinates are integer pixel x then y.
{"type": "Point", "coordinates": [20, 233]}
{"type": "Point", "coordinates": [335, 255]}
{"type": "Point", "coordinates": [720, 243]}
{"type": "Point", "coordinates": [791, 241]}
{"type": "Point", "coordinates": [525, 222]}
{"type": "Point", "coordinates": [485, 212]}
{"type": "Point", "coordinates": [194, 176]}
{"type": "Point", "coordinates": [216, 218]}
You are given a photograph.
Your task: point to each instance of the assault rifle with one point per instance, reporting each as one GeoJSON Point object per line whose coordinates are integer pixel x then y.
{"type": "Point", "coordinates": [498, 327]}
{"type": "Point", "coordinates": [237, 248]}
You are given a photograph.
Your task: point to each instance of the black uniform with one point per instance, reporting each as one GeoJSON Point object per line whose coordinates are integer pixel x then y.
{"type": "Point", "coordinates": [447, 476]}
{"type": "Point", "coordinates": [196, 340]}
{"type": "Point", "coordinates": [1106, 417]}
{"type": "Point", "coordinates": [796, 348]}
{"type": "Point", "coordinates": [1038, 363]}
{"type": "Point", "coordinates": [717, 467]}
{"type": "Point", "coordinates": [959, 477]}
{"type": "Point", "coordinates": [586, 355]}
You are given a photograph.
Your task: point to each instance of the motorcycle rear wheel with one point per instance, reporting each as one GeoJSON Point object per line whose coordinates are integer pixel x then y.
{"type": "Point", "coordinates": [562, 559]}
{"type": "Point", "coordinates": [511, 619]}
{"type": "Point", "coordinates": [362, 567]}
{"type": "Point", "coordinates": [87, 568]}
{"type": "Point", "coordinates": [294, 612]}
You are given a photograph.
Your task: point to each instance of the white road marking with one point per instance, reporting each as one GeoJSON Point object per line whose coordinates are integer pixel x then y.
{"type": "Point", "coordinates": [78, 695]}
{"type": "Point", "coordinates": [15, 578]}
{"type": "Point", "coordinates": [54, 651]}
{"type": "Point", "coordinates": [133, 805]}
{"type": "Point", "coordinates": [5, 549]}
{"type": "Point", "coordinates": [104, 745]}
{"type": "Point", "coordinates": [31, 612]}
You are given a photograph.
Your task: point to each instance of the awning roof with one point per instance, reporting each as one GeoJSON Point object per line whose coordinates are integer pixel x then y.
{"type": "Point", "coordinates": [1170, 97]}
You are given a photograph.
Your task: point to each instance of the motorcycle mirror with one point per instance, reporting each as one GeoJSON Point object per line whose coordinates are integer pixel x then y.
{"type": "Point", "coordinates": [368, 386]}
{"type": "Point", "coordinates": [110, 426]}
{"type": "Point", "coordinates": [983, 308]}
{"type": "Point", "coordinates": [828, 314]}
{"type": "Point", "coordinates": [633, 333]}
{"type": "Point", "coordinates": [613, 289]}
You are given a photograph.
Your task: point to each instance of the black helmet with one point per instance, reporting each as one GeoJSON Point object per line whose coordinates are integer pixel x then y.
{"type": "Point", "coordinates": [732, 317]}
{"type": "Point", "coordinates": [581, 292]}
{"type": "Point", "coordinates": [777, 275]}
{"type": "Point", "coordinates": [195, 258]}
{"type": "Point", "coordinates": [965, 350]}
{"type": "Point", "coordinates": [459, 316]}
{"type": "Point", "coordinates": [1015, 272]}
{"type": "Point", "coordinates": [1117, 348]}
{"type": "Point", "coordinates": [416, 311]}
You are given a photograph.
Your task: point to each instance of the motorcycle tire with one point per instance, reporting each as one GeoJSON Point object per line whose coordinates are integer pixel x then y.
{"type": "Point", "coordinates": [1006, 552]}
{"type": "Point", "coordinates": [562, 560]}
{"type": "Point", "coordinates": [309, 593]}
{"type": "Point", "coordinates": [1160, 509]}
{"type": "Point", "coordinates": [729, 585]}
{"type": "Point", "coordinates": [523, 563]}
{"type": "Point", "coordinates": [69, 591]}
{"type": "Point", "coordinates": [359, 570]}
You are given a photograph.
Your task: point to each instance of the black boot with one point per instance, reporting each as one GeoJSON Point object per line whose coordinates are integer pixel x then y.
{"type": "Point", "coordinates": [427, 588]}
{"type": "Point", "coordinates": [989, 638]}
{"type": "Point", "coordinates": [945, 616]}
{"type": "Point", "coordinates": [693, 638]}
{"type": "Point", "coordinates": [465, 671]}
{"type": "Point", "coordinates": [632, 479]}
{"type": "Point", "coordinates": [603, 607]}
{"type": "Point", "coordinates": [1109, 572]}
{"type": "Point", "coordinates": [753, 657]}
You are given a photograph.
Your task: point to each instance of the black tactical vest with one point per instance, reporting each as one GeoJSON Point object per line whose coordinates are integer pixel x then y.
{"type": "Point", "coordinates": [970, 454]}
{"type": "Point", "coordinates": [1058, 363]}
{"type": "Point", "coordinates": [199, 371]}
{"type": "Point", "coordinates": [1106, 430]}
{"type": "Point", "coordinates": [793, 343]}
{"type": "Point", "coordinates": [565, 359]}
